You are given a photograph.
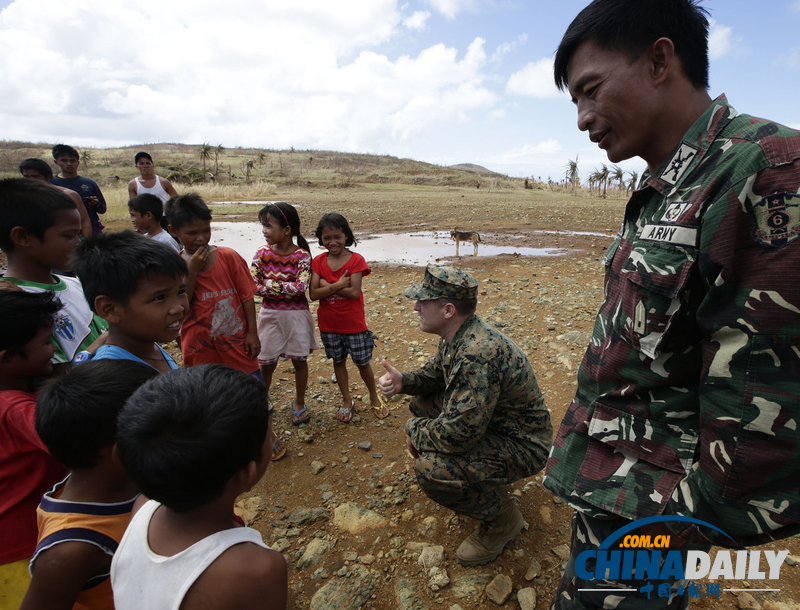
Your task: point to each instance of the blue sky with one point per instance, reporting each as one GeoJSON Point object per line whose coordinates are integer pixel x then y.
{"type": "Point", "coordinates": [445, 81]}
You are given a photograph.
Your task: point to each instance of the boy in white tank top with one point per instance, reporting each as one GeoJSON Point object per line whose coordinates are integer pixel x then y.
{"type": "Point", "coordinates": [148, 181]}
{"type": "Point", "coordinates": [193, 440]}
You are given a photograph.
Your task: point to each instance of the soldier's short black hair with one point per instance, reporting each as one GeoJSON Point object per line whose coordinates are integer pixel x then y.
{"type": "Point", "coordinates": [184, 434]}
{"type": "Point", "coordinates": [40, 166]}
{"type": "Point", "coordinates": [464, 307]}
{"type": "Point", "coordinates": [76, 415]}
{"type": "Point", "coordinates": [632, 26]}
{"type": "Point", "coordinates": [183, 209]}
{"type": "Point", "coordinates": [64, 150]}
{"type": "Point", "coordinates": [113, 264]}
{"type": "Point", "coordinates": [29, 204]}
{"type": "Point", "coordinates": [142, 155]}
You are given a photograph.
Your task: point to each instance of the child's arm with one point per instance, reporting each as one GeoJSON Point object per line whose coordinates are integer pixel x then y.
{"type": "Point", "coordinates": [196, 262]}
{"type": "Point", "coordinates": [60, 573]}
{"type": "Point", "coordinates": [252, 345]}
{"type": "Point", "coordinates": [353, 290]}
{"type": "Point", "coordinates": [244, 576]}
{"type": "Point", "coordinates": [271, 288]}
{"type": "Point", "coordinates": [320, 289]}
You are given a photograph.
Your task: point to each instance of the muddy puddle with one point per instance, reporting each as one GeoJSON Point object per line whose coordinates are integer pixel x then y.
{"type": "Point", "coordinates": [418, 248]}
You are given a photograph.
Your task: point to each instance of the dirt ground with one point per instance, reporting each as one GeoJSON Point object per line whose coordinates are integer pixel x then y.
{"type": "Point", "coordinates": [351, 520]}
{"type": "Point", "coordinates": [546, 305]}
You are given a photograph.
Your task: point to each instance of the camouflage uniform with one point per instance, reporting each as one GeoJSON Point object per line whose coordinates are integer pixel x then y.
{"type": "Point", "coordinates": [689, 393]}
{"type": "Point", "coordinates": [480, 419]}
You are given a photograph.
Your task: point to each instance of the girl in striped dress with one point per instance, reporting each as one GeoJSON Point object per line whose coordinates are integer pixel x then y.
{"type": "Point", "coordinates": [282, 271]}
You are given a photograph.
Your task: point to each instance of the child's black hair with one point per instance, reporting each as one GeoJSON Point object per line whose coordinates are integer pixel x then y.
{"type": "Point", "coordinates": [183, 435]}
{"type": "Point", "coordinates": [332, 220]}
{"type": "Point", "coordinates": [40, 166]}
{"type": "Point", "coordinates": [113, 264]}
{"type": "Point", "coordinates": [76, 415]}
{"type": "Point", "coordinates": [147, 202]}
{"type": "Point", "coordinates": [29, 204]}
{"type": "Point", "coordinates": [23, 314]}
{"type": "Point", "coordinates": [142, 155]}
{"type": "Point", "coordinates": [286, 216]}
{"type": "Point", "coordinates": [64, 150]}
{"type": "Point", "coordinates": [183, 209]}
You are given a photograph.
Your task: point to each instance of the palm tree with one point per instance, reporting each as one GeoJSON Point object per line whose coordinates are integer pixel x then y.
{"type": "Point", "coordinates": [262, 156]}
{"type": "Point", "coordinates": [618, 176]}
{"type": "Point", "coordinates": [217, 152]}
{"type": "Point", "coordinates": [205, 154]}
{"type": "Point", "coordinates": [634, 178]}
{"type": "Point", "coordinates": [248, 166]}
{"type": "Point", "coordinates": [86, 158]}
{"type": "Point", "coordinates": [572, 177]}
{"type": "Point", "coordinates": [602, 175]}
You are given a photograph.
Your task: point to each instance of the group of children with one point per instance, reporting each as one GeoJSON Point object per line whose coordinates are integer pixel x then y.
{"type": "Point", "coordinates": [121, 419]}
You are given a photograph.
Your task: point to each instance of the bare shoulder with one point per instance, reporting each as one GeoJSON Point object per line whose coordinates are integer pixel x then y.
{"type": "Point", "coordinates": [244, 576]}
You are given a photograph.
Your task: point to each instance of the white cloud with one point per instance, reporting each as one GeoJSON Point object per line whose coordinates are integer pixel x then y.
{"type": "Point", "coordinates": [246, 72]}
{"type": "Point", "coordinates": [417, 20]}
{"type": "Point", "coordinates": [451, 8]}
{"type": "Point", "coordinates": [509, 47]}
{"type": "Point", "coordinates": [719, 40]}
{"type": "Point", "coordinates": [534, 80]}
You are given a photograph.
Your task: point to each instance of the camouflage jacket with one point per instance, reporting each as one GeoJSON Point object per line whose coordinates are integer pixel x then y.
{"type": "Point", "coordinates": [488, 389]}
{"type": "Point", "coordinates": [688, 395]}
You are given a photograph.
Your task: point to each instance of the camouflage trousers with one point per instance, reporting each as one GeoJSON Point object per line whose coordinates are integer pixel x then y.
{"type": "Point", "coordinates": [468, 483]}
{"type": "Point", "coordinates": [587, 534]}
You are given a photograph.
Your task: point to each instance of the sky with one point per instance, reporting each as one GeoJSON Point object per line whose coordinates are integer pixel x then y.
{"type": "Point", "coordinates": [442, 81]}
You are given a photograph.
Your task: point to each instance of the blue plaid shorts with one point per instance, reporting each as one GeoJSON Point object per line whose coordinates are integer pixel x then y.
{"type": "Point", "coordinates": [358, 345]}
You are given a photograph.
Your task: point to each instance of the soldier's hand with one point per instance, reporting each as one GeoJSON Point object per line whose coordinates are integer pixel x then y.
{"type": "Point", "coordinates": [392, 382]}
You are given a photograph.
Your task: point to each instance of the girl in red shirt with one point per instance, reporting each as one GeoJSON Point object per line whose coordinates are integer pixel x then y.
{"type": "Point", "coordinates": [336, 283]}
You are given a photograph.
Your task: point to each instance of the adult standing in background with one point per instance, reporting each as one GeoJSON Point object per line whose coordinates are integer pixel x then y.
{"type": "Point", "coordinates": [687, 398]}
{"type": "Point", "coordinates": [148, 181]}
{"type": "Point", "coordinates": [69, 161]}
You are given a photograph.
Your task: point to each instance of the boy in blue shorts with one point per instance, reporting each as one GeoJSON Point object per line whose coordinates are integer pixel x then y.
{"type": "Point", "coordinates": [39, 230]}
{"type": "Point", "coordinates": [137, 285]}
{"type": "Point", "coordinates": [193, 440]}
{"type": "Point", "coordinates": [82, 518]}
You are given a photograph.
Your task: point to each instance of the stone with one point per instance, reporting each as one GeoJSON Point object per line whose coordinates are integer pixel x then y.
{"type": "Point", "coordinates": [455, 607]}
{"type": "Point", "coordinates": [527, 598]}
{"type": "Point", "coordinates": [748, 602]}
{"type": "Point", "coordinates": [428, 526]}
{"type": "Point", "coordinates": [546, 515]}
{"type": "Point", "coordinates": [350, 593]}
{"type": "Point", "coordinates": [327, 495]}
{"type": "Point", "coordinates": [470, 585]}
{"type": "Point", "coordinates": [317, 467]}
{"type": "Point", "coordinates": [313, 555]}
{"type": "Point", "coordinates": [407, 596]}
{"type": "Point", "coordinates": [792, 560]}
{"type": "Point", "coordinates": [367, 559]}
{"type": "Point", "coordinates": [365, 445]}
{"type": "Point", "coordinates": [437, 578]}
{"type": "Point", "coordinates": [500, 589]}
{"type": "Point", "coordinates": [280, 545]}
{"type": "Point", "coordinates": [306, 516]}
{"type": "Point", "coordinates": [431, 556]}
{"type": "Point", "coordinates": [350, 555]}
{"type": "Point", "coordinates": [561, 551]}
{"type": "Point", "coordinates": [534, 570]}
{"type": "Point", "coordinates": [356, 519]}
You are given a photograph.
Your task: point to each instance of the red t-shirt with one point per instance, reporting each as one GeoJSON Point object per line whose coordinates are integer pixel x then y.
{"type": "Point", "coordinates": [215, 328]}
{"type": "Point", "coordinates": [337, 314]}
{"type": "Point", "coordinates": [26, 472]}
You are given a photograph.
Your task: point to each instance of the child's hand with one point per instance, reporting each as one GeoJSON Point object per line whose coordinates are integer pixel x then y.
{"type": "Point", "coordinates": [392, 382]}
{"type": "Point", "coordinates": [197, 261]}
{"type": "Point", "coordinates": [252, 345]}
{"type": "Point", "coordinates": [344, 281]}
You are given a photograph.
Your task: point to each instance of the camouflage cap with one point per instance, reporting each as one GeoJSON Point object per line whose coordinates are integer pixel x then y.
{"type": "Point", "coordinates": [443, 283]}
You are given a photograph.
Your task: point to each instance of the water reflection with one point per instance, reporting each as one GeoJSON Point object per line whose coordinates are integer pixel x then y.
{"type": "Point", "coordinates": [419, 248]}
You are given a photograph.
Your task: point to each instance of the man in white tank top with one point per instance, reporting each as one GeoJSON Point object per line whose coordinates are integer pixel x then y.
{"type": "Point", "coordinates": [148, 182]}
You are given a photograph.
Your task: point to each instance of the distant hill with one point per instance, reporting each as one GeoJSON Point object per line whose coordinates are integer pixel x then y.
{"type": "Point", "coordinates": [475, 169]}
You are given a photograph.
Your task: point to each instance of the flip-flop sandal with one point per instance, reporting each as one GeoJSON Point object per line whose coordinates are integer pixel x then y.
{"type": "Point", "coordinates": [382, 410]}
{"type": "Point", "coordinates": [345, 414]}
{"type": "Point", "coordinates": [297, 416]}
{"type": "Point", "coordinates": [278, 450]}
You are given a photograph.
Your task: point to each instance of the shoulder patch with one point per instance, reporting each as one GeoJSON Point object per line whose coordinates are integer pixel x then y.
{"type": "Point", "coordinates": [679, 163]}
{"type": "Point", "coordinates": [777, 219]}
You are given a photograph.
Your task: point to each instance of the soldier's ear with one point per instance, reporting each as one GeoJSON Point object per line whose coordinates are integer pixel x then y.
{"type": "Point", "coordinates": [449, 310]}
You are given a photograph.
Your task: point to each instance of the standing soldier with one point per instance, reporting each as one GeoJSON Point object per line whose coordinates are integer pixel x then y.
{"type": "Point", "coordinates": [687, 399]}
{"type": "Point", "coordinates": [479, 417]}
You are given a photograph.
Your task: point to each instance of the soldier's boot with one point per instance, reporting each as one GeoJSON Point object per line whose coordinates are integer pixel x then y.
{"type": "Point", "coordinates": [490, 537]}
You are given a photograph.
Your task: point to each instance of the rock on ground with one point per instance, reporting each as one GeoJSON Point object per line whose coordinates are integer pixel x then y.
{"type": "Point", "coordinates": [527, 598]}
{"type": "Point", "coordinates": [500, 589]}
{"type": "Point", "coordinates": [351, 593]}
{"type": "Point", "coordinates": [356, 519]}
